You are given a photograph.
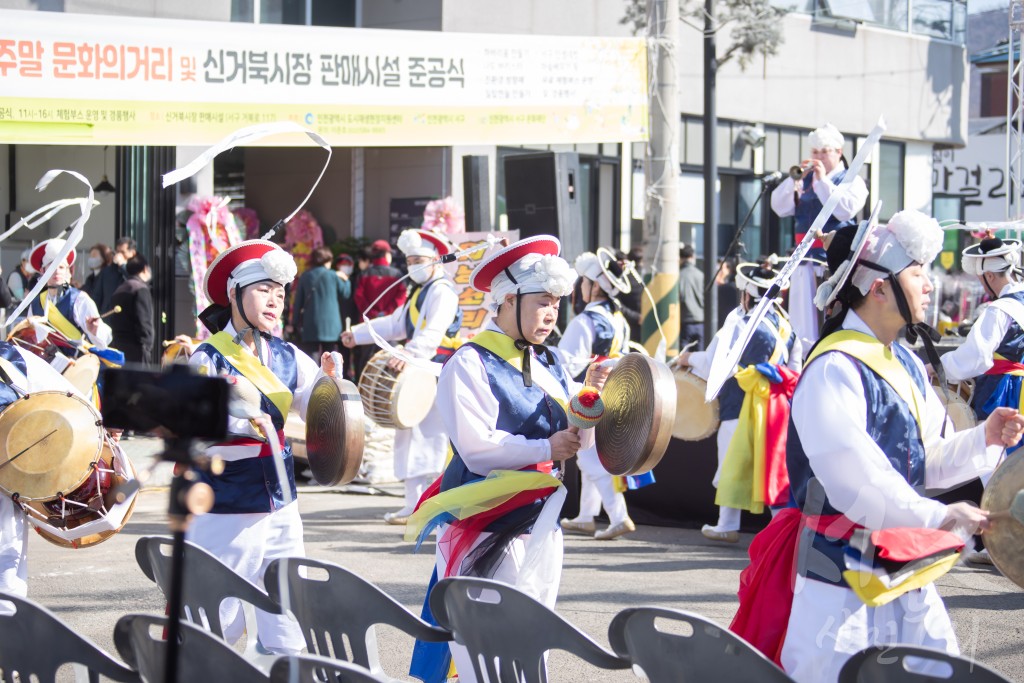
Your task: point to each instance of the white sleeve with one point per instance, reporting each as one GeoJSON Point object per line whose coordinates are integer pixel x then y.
{"type": "Point", "coordinates": [783, 203]}
{"type": "Point", "coordinates": [796, 356]}
{"type": "Point", "coordinates": [14, 284]}
{"type": "Point", "coordinates": [830, 414]}
{"type": "Point", "coordinates": [40, 376]}
{"type": "Point", "coordinates": [469, 412]}
{"type": "Point", "coordinates": [850, 203]}
{"type": "Point", "coordinates": [975, 356]}
{"type": "Point", "coordinates": [700, 361]}
{"type": "Point", "coordinates": [575, 348]}
{"type": "Point", "coordinates": [390, 327]}
{"type": "Point", "coordinates": [84, 309]}
{"type": "Point", "coordinates": [439, 310]}
{"type": "Point", "coordinates": [308, 373]}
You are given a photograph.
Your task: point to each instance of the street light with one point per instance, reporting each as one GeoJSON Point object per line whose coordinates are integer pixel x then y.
{"type": "Point", "coordinates": [104, 186]}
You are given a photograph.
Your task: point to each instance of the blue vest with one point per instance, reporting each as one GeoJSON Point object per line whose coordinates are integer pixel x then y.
{"type": "Point", "coordinates": [252, 484]}
{"type": "Point", "coordinates": [809, 206]}
{"type": "Point", "coordinates": [522, 410]}
{"type": "Point", "coordinates": [419, 296]}
{"type": "Point", "coordinates": [891, 425]}
{"type": "Point", "coordinates": [9, 352]}
{"type": "Point", "coordinates": [65, 304]}
{"type": "Point", "coordinates": [759, 350]}
{"type": "Point", "coordinates": [1011, 348]}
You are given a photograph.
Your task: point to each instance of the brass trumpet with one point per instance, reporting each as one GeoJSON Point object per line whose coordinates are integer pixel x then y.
{"type": "Point", "coordinates": [796, 172]}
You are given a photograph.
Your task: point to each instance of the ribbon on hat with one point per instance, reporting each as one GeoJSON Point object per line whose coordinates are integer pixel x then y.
{"type": "Point", "coordinates": [244, 136]}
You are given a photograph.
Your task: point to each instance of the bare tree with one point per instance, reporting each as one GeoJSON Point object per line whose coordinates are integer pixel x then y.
{"type": "Point", "coordinates": [755, 26]}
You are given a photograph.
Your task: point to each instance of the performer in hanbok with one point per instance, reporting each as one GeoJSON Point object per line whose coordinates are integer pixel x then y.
{"type": "Point", "coordinates": [599, 332]}
{"type": "Point", "coordinates": [775, 343]}
{"type": "Point", "coordinates": [503, 399]}
{"type": "Point", "coordinates": [803, 199]}
{"type": "Point", "coordinates": [255, 518]}
{"type": "Point", "coordinates": [69, 310]}
{"type": "Point", "coordinates": [865, 441]}
{"type": "Point", "coordinates": [429, 322]}
{"type": "Point", "coordinates": [23, 373]}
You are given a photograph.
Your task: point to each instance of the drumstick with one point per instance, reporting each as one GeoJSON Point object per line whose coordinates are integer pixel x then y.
{"type": "Point", "coordinates": [112, 311]}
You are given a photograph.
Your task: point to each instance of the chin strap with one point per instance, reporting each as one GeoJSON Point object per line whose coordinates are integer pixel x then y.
{"type": "Point", "coordinates": [521, 343]}
{"type": "Point", "coordinates": [256, 332]}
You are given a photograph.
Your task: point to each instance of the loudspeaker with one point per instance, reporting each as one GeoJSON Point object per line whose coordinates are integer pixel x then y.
{"type": "Point", "coordinates": [476, 192]}
{"type": "Point", "coordinates": [542, 198]}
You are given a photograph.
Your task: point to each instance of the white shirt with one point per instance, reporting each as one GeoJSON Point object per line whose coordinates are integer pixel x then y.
{"type": "Point", "coordinates": [975, 356]}
{"type": "Point", "coordinates": [308, 373]}
{"type": "Point", "coordinates": [470, 414]}
{"type": "Point", "coordinates": [830, 413]}
{"type": "Point", "coordinates": [852, 201]}
{"type": "Point", "coordinates": [437, 313]}
{"type": "Point", "coordinates": [576, 347]}
{"type": "Point", "coordinates": [83, 309]}
{"type": "Point", "coordinates": [40, 376]}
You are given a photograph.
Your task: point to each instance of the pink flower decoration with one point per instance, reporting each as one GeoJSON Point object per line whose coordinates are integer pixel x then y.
{"type": "Point", "coordinates": [444, 215]}
{"type": "Point", "coordinates": [250, 219]}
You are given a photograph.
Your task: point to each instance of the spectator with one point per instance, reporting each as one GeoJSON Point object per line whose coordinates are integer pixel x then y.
{"type": "Point", "coordinates": [316, 315]}
{"type": "Point", "coordinates": [378, 277]}
{"type": "Point", "coordinates": [104, 277]}
{"type": "Point", "coordinates": [20, 281]}
{"type": "Point", "coordinates": [6, 298]}
{"type": "Point", "coordinates": [343, 266]}
{"type": "Point", "coordinates": [631, 302]}
{"type": "Point", "coordinates": [133, 327]}
{"type": "Point", "coordinates": [124, 249]}
{"type": "Point", "coordinates": [691, 298]}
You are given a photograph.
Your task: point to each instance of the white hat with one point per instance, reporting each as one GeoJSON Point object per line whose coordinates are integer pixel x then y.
{"type": "Point", "coordinates": [991, 255]}
{"type": "Point", "coordinates": [247, 263]}
{"type": "Point", "coordinates": [423, 243]}
{"type": "Point", "coordinates": [756, 278]}
{"type": "Point", "coordinates": [826, 137]}
{"type": "Point", "coordinates": [529, 266]}
{"type": "Point", "coordinates": [595, 267]}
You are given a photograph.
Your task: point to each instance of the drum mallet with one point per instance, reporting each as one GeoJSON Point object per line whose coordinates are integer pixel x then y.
{"type": "Point", "coordinates": [112, 311]}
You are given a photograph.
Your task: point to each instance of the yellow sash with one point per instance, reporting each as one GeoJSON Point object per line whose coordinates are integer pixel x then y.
{"type": "Point", "coordinates": [881, 359]}
{"type": "Point", "coordinates": [504, 347]}
{"type": "Point", "coordinates": [253, 370]}
{"type": "Point", "coordinates": [414, 317]}
{"type": "Point", "coordinates": [57, 319]}
{"type": "Point", "coordinates": [874, 592]}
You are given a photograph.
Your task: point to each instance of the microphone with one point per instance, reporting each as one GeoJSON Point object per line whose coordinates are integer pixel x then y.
{"type": "Point", "coordinates": [770, 178]}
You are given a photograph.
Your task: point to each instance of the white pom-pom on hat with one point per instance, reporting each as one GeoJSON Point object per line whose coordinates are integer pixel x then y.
{"type": "Point", "coordinates": [279, 266]}
{"type": "Point", "coordinates": [556, 276]}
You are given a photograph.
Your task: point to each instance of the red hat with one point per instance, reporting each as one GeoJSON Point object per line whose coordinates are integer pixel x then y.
{"type": "Point", "coordinates": [381, 245]}
{"type": "Point", "coordinates": [496, 263]}
{"type": "Point", "coordinates": [47, 250]}
{"type": "Point", "coordinates": [342, 258]}
{"type": "Point", "coordinates": [416, 242]}
{"type": "Point", "coordinates": [247, 262]}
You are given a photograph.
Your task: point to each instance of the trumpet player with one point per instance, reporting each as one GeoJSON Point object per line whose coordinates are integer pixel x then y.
{"type": "Point", "coordinates": [802, 195]}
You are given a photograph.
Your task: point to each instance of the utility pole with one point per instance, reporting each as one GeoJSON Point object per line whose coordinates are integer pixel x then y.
{"type": "Point", "coordinates": [710, 173]}
{"type": "Point", "coordinates": [661, 222]}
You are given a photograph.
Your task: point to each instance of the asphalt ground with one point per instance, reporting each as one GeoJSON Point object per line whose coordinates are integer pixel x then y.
{"type": "Point", "coordinates": [677, 568]}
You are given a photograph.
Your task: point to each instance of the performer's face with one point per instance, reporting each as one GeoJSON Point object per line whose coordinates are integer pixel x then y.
{"type": "Point", "coordinates": [538, 315]}
{"type": "Point", "coordinates": [589, 289]}
{"type": "Point", "coordinates": [263, 303]}
{"type": "Point", "coordinates": [828, 157]}
{"type": "Point", "coordinates": [917, 287]}
{"type": "Point", "coordinates": [61, 276]}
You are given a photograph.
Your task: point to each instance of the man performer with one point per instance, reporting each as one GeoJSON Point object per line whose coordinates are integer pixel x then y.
{"type": "Point", "coordinates": [255, 518]}
{"type": "Point", "coordinates": [503, 398]}
{"type": "Point", "coordinates": [865, 440]}
{"type": "Point", "coordinates": [429, 321]}
{"type": "Point", "coordinates": [803, 199]}
{"type": "Point", "coordinates": [602, 331]}
{"type": "Point", "coordinates": [69, 310]}
{"type": "Point", "coordinates": [774, 342]}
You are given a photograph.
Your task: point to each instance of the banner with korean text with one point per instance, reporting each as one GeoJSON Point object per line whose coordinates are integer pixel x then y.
{"type": "Point", "coordinates": [476, 306]}
{"type": "Point", "coordinates": [86, 79]}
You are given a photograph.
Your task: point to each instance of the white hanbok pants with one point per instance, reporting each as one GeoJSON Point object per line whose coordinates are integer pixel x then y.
{"type": "Point", "coordinates": [540, 582]}
{"type": "Point", "coordinates": [803, 314]}
{"type": "Point", "coordinates": [13, 549]}
{"type": "Point", "coordinates": [420, 453]}
{"type": "Point", "coordinates": [247, 543]}
{"type": "Point", "coordinates": [829, 624]}
{"type": "Point", "coordinates": [597, 488]}
{"type": "Point", "coordinates": [728, 518]}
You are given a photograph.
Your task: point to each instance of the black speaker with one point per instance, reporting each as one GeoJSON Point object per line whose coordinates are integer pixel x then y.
{"type": "Point", "coordinates": [542, 198]}
{"type": "Point", "coordinates": [476, 192]}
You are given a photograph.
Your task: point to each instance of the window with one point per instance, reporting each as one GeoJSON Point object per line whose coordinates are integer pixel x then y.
{"type": "Point", "coordinates": [294, 12]}
{"type": "Point", "coordinates": [890, 178]}
{"type": "Point", "coordinates": [946, 19]}
{"type": "Point", "coordinates": [993, 93]}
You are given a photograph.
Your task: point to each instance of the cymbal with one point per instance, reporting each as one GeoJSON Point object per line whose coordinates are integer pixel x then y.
{"type": "Point", "coordinates": [334, 431]}
{"type": "Point", "coordinates": [1004, 499]}
{"type": "Point", "coordinates": [48, 442]}
{"type": "Point", "coordinates": [639, 413]}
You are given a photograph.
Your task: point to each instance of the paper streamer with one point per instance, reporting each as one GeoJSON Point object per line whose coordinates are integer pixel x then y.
{"type": "Point", "coordinates": [243, 136]}
{"type": "Point", "coordinates": [77, 231]}
{"type": "Point", "coordinates": [421, 363]}
{"type": "Point", "coordinates": [43, 214]}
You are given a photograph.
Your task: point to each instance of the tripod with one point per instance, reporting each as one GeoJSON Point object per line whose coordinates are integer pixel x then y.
{"type": "Point", "coordinates": [736, 237]}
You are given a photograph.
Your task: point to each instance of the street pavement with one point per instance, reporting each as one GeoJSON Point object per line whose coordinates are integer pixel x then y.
{"type": "Point", "coordinates": [669, 567]}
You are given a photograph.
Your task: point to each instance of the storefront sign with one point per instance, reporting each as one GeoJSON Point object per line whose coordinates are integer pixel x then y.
{"type": "Point", "coordinates": [86, 79]}
{"type": "Point", "coordinates": [476, 306]}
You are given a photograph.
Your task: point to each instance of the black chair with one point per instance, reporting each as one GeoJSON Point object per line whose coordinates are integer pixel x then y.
{"type": "Point", "coordinates": [697, 650]}
{"type": "Point", "coordinates": [206, 583]}
{"type": "Point", "coordinates": [881, 664]}
{"type": "Point", "coordinates": [343, 606]}
{"type": "Point", "coordinates": [510, 631]}
{"type": "Point", "coordinates": [201, 655]}
{"type": "Point", "coordinates": [313, 669]}
{"type": "Point", "coordinates": [34, 644]}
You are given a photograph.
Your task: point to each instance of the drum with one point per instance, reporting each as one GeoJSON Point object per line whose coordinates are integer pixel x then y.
{"type": "Point", "coordinates": [175, 352]}
{"type": "Point", "coordinates": [83, 373]}
{"type": "Point", "coordinates": [958, 406]}
{"type": "Point", "coordinates": [392, 399]}
{"type": "Point", "coordinates": [37, 336]}
{"type": "Point", "coordinates": [695, 419]}
{"type": "Point", "coordinates": [56, 463]}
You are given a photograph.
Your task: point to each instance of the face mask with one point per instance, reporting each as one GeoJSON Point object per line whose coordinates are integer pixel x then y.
{"type": "Point", "coordinates": [94, 262]}
{"type": "Point", "coordinates": [345, 270]}
{"type": "Point", "coordinates": [420, 274]}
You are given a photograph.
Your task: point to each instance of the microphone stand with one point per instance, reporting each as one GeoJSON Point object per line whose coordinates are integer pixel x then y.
{"type": "Point", "coordinates": [738, 233]}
